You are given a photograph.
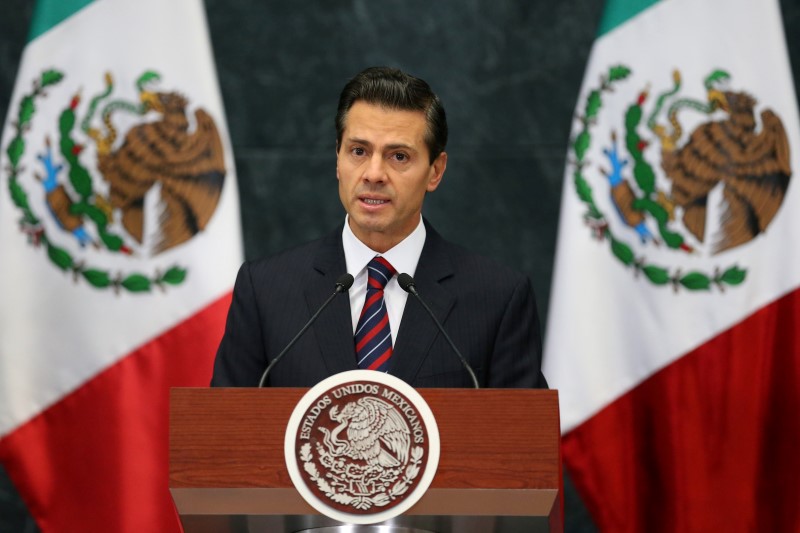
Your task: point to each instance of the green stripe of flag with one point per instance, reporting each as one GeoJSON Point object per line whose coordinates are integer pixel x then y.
{"type": "Point", "coordinates": [50, 13]}
{"type": "Point", "coordinates": [617, 12]}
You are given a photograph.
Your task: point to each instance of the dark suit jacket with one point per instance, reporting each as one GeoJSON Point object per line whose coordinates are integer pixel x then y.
{"type": "Point", "coordinates": [488, 310]}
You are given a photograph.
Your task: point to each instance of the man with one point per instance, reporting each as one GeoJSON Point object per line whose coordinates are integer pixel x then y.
{"type": "Point", "coordinates": [391, 133]}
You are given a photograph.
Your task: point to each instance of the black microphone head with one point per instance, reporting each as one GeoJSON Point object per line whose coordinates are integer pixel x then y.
{"type": "Point", "coordinates": [344, 282]}
{"type": "Point", "coordinates": [405, 281]}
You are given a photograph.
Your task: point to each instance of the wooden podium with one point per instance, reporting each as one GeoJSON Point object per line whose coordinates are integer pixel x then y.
{"type": "Point", "coordinates": [499, 470]}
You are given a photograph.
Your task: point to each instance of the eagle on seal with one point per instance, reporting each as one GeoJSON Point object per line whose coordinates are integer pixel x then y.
{"type": "Point", "coordinates": [376, 433]}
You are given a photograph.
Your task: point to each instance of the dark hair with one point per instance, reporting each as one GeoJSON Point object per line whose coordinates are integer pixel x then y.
{"type": "Point", "coordinates": [394, 89]}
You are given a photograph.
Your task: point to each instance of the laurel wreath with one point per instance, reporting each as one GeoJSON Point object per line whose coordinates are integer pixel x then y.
{"type": "Point", "coordinates": [645, 178]}
{"type": "Point", "coordinates": [31, 224]}
{"type": "Point", "coordinates": [362, 502]}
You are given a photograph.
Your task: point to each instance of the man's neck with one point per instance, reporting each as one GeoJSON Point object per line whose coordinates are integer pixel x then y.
{"type": "Point", "coordinates": [380, 242]}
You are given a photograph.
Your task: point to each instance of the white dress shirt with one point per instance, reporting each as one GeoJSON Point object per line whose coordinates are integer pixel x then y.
{"type": "Point", "coordinates": [403, 257]}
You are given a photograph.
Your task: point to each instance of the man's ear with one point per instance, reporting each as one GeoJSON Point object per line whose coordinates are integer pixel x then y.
{"type": "Point", "coordinates": [437, 171]}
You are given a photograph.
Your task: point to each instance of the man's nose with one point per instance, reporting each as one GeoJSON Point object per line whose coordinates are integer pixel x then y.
{"type": "Point", "coordinates": [375, 170]}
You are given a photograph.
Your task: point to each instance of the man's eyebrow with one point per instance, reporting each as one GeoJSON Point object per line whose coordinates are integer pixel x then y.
{"type": "Point", "coordinates": [358, 141]}
{"type": "Point", "coordinates": [394, 146]}
{"type": "Point", "coordinates": [400, 145]}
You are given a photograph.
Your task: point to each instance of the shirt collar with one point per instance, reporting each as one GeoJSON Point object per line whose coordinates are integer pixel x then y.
{"type": "Point", "coordinates": [404, 256]}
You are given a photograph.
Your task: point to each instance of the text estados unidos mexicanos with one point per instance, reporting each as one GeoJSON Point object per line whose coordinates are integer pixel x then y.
{"type": "Point", "coordinates": [364, 388]}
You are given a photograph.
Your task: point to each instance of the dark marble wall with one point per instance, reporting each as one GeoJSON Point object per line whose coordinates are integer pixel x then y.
{"type": "Point", "coordinates": [508, 72]}
{"type": "Point", "coordinates": [508, 90]}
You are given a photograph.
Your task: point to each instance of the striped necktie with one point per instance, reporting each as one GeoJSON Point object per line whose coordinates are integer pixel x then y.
{"type": "Point", "coordinates": [373, 337]}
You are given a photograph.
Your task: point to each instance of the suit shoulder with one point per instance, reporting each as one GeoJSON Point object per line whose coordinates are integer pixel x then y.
{"type": "Point", "coordinates": [489, 272]}
{"type": "Point", "coordinates": [298, 261]}
{"type": "Point", "coordinates": [301, 254]}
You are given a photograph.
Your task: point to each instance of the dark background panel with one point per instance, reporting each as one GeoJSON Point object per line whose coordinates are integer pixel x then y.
{"type": "Point", "coordinates": [508, 90]}
{"type": "Point", "coordinates": [508, 72]}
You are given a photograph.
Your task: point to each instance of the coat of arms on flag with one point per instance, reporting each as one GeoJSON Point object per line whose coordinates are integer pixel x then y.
{"type": "Point", "coordinates": [99, 188]}
{"type": "Point", "coordinates": [696, 176]}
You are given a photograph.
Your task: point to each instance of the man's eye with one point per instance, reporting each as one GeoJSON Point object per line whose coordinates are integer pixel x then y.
{"type": "Point", "coordinates": [358, 151]}
{"type": "Point", "coordinates": [401, 156]}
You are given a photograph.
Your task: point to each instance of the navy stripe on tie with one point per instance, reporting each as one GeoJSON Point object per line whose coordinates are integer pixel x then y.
{"type": "Point", "coordinates": [373, 338]}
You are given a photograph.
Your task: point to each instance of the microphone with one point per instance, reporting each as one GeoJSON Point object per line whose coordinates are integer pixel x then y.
{"type": "Point", "coordinates": [343, 284]}
{"type": "Point", "coordinates": [406, 283]}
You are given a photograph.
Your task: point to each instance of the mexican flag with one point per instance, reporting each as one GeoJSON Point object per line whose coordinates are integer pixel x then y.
{"type": "Point", "coordinates": [672, 333]}
{"type": "Point", "coordinates": [120, 241]}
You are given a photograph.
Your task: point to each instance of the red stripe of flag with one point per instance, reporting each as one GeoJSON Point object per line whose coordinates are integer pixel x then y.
{"type": "Point", "coordinates": [709, 443]}
{"type": "Point", "coordinates": [98, 459]}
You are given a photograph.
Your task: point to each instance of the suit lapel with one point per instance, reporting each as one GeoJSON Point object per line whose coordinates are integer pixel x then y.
{"type": "Point", "coordinates": [417, 329]}
{"type": "Point", "coordinates": [333, 329]}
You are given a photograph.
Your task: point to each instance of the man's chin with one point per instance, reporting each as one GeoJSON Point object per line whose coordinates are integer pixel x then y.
{"type": "Point", "coordinates": [368, 220]}
{"type": "Point", "coordinates": [361, 228]}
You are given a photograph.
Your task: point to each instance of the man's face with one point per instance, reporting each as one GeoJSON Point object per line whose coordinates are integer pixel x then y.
{"type": "Point", "coordinates": [384, 172]}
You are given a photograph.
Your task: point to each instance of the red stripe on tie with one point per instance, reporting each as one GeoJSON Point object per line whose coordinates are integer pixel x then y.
{"type": "Point", "coordinates": [372, 299]}
{"type": "Point", "coordinates": [374, 331]}
{"type": "Point", "coordinates": [385, 263]}
{"type": "Point", "coordinates": [375, 283]}
{"type": "Point", "coordinates": [380, 360]}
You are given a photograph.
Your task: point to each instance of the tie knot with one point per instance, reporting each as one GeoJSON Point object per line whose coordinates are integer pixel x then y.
{"type": "Point", "coordinates": [379, 272]}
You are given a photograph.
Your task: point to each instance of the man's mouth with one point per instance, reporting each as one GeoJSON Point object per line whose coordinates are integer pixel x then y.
{"type": "Point", "coordinates": [374, 201]}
